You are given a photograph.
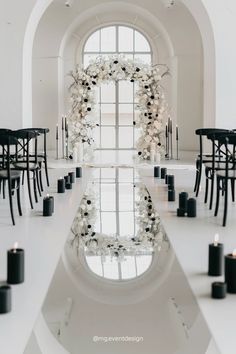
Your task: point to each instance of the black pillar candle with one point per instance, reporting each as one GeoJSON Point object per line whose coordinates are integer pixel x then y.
{"type": "Point", "coordinates": [163, 172]}
{"type": "Point", "coordinates": [230, 272]}
{"type": "Point", "coordinates": [68, 185]}
{"type": "Point", "coordinates": [215, 258]}
{"type": "Point", "coordinates": [156, 171]}
{"type": "Point", "coordinates": [5, 299]}
{"type": "Point", "coordinates": [61, 185]}
{"type": "Point", "coordinates": [78, 172]}
{"type": "Point", "coordinates": [15, 265]}
{"type": "Point", "coordinates": [171, 180]}
{"type": "Point", "coordinates": [218, 290]}
{"type": "Point", "coordinates": [67, 179]}
{"type": "Point", "coordinates": [166, 179]}
{"type": "Point", "coordinates": [180, 212]}
{"type": "Point", "coordinates": [48, 206]}
{"type": "Point", "coordinates": [192, 208]}
{"type": "Point", "coordinates": [72, 177]}
{"type": "Point", "coordinates": [171, 195]}
{"type": "Point", "coordinates": [183, 200]}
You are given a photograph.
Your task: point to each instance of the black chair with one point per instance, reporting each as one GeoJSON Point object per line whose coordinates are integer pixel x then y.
{"type": "Point", "coordinates": [6, 173]}
{"type": "Point", "coordinates": [226, 175]}
{"type": "Point", "coordinates": [23, 161]}
{"type": "Point", "coordinates": [42, 156]}
{"type": "Point", "coordinates": [203, 157]}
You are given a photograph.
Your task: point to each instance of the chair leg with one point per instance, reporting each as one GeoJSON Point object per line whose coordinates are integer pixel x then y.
{"type": "Point", "coordinates": [29, 189]}
{"type": "Point", "coordinates": [196, 177]}
{"type": "Point", "coordinates": [10, 202]}
{"type": "Point", "coordinates": [225, 203]}
{"type": "Point", "coordinates": [35, 187]}
{"type": "Point", "coordinates": [46, 171]}
{"type": "Point", "coordinates": [37, 180]}
{"type": "Point", "coordinates": [3, 189]}
{"type": "Point", "coordinates": [233, 189]}
{"type": "Point", "coordinates": [199, 179]}
{"type": "Point", "coordinates": [212, 190]}
{"type": "Point", "coordinates": [40, 179]}
{"type": "Point", "coordinates": [18, 197]}
{"type": "Point", "coordinates": [23, 177]}
{"type": "Point", "coordinates": [206, 190]}
{"type": "Point", "coordinates": [217, 195]}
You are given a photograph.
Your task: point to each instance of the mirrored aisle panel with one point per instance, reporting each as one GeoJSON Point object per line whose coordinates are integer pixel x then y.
{"type": "Point", "coordinates": [116, 227]}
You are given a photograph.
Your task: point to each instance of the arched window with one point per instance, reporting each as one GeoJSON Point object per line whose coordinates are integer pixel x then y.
{"type": "Point", "coordinates": [117, 100]}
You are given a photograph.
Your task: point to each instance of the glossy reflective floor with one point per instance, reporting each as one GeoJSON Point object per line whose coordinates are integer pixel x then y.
{"type": "Point", "coordinates": [116, 227]}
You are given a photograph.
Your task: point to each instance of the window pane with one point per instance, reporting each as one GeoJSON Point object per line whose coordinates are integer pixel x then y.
{"type": "Point", "coordinates": [108, 39]}
{"type": "Point", "coordinates": [126, 175]}
{"type": "Point", "coordinates": [97, 136]}
{"type": "Point", "coordinates": [108, 114]}
{"type": "Point", "coordinates": [141, 44]}
{"type": "Point", "coordinates": [126, 93]}
{"type": "Point", "coordinates": [108, 223]}
{"type": "Point", "coordinates": [126, 197]}
{"type": "Point", "coordinates": [110, 269]}
{"type": "Point", "coordinates": [92, 44]}
{"type": "Point", "coordinates": [108, 173]}
{"type": "Point", "coordinates": [126, 114]}
{"type": "Point", "coordinates": [88, 58]}
{"type": "Point", "coordinates": [108, 137]}
{"type": "Point", "coordinates": [128, 268]}
{"type": "Point", "coordinates": [126, 137]}
{"type": "Point", "coordinates": [143, 263]}
{"type": "Point", "coordinates": [145, 58]}
{"type": "Point", "coordinates": [108, 93]}
{"type": "Point", "coordinates": [108, 197]}
{"type": "Point", "coordinates": [126, 39]}
{"type": "Point", "coordinates": [94, 263]}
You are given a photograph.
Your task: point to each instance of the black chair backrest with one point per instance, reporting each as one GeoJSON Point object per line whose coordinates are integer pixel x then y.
{"type": "Point", "coordinates": [44, 132]}
{"type": "Point", "coordinates": [204, 132]}
{"type": "Point", "coordinates": [26, 136]}
{"type": "Point", "coordinates": [6, 141]}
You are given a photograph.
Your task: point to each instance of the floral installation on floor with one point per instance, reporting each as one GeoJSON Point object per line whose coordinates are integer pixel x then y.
{"type": "Point", "coordinates": [151, 102]}
{"type": "Point", "coordinates": [149, 238]}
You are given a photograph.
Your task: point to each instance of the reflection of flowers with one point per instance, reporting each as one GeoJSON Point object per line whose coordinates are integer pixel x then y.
{"type": "Point", "coordinates": [149, 237]}
{"type": "Point", "coordinates": [150, 96]}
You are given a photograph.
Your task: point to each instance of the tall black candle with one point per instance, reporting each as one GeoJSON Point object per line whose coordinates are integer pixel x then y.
{"type": "Point", "coordinates": [68, 185]}
{"type": "Point", "coordinates": [171, 195]}
{"type": "Point", "coordinates": [15, 265]}
{"type": "Point", "coordinates": [171, 181]}
{"type": "Point", "coordinates": [48, 206]}
{"type": "Point", "coordinates": [183, 200]}
{"type": "Point", "coordinates": [78, 172]}
{"type": "Point", "coordinates": [61, 185]}
{"type": "Point", "coordinates": [72, 177]}
{"type": "Point", "coordinates": [215, 258]}
{"type": "Point", "coordinates": [157, 171]}
{"type": "Point", "coordinates": [230, 272]}
{"type": "Point", "coordinates": [166, 179]}
{"type": "Point", "coordinates": [67, 179]}
{"type": "Point", "coordinates": [5, 299]}
{"type": "Point", "coordinates": [192, 208]}
{"type": "Point", "coordinates": [163, 172]}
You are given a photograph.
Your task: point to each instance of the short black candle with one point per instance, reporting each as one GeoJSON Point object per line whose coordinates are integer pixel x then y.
{"type": "Point", "coordinates": [78, 172]}
{"type": "Point", "coordinates": [67, 179]}
{"type": "Point", "coordinates": [15, 266]}
{"type": "Point", "coordinates": [171, 195]}
{"type": "Point", "coordinates": [180, 212]}
{"type": "Point", "coordinates": [183, 200]}
{"type": "Point", "coordinates": [163, 172]}
{"type": "Point", "coordinates": [72, 177]}
{"type": "Point", "coordinates": [68, 185]}
{"type": "Point", "coordinates": [171, 180]}
{"type": "Point", "coordinates": [61, 185]}
{"type": "Point", "coordinates": [218, 290]}
{"type": "Point", "coordinates": [5, 299]}
{"type": "Point", "coordinates": [192, 208]}
{"type": "Point", "coordinates": [215, 259]}
{"type": "Point", "coordinates": [48, 206]}
{"type": "Point", "coordinates": [157, 171]}
{"type": "Point", "coordinates": [230, 272]}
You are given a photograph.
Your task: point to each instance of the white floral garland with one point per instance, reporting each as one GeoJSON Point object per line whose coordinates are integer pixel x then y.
{"type": "Point", "coordinates": [150, 97]}
{"type": "Point", "coordinates": [150, 234]}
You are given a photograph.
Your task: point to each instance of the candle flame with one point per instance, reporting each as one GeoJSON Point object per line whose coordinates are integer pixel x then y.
{"type": "Point", "coordinates": [15, 246]}
{"type": "Point", "coordinates": [234, 253]}
{"type": "Point", "coordinates": [216, 239]}
{"type": "Point", "coordinates": [47, 195]}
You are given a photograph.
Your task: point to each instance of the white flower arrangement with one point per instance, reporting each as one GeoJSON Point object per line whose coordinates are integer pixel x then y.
{"type": "Point", "coordinates": [149, 237]}
{"type": "Point", "coordinates": [150, 96]}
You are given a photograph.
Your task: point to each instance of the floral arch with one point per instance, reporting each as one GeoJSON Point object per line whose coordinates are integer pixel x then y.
{"type": "Point", "coordinates": [150, 100]}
